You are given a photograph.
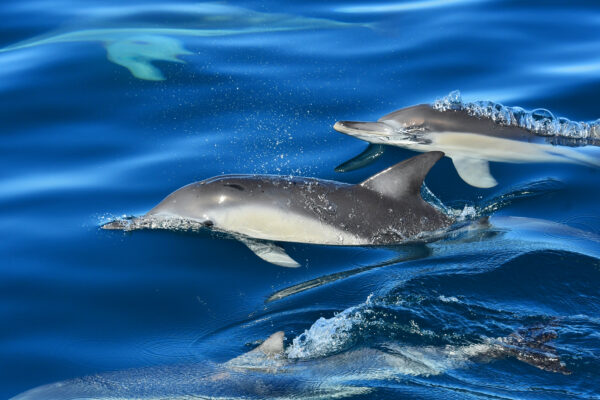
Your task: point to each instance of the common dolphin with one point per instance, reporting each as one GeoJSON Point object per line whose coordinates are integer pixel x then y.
{"type": "Point", "coordinates": [273, 371]}
{"type": "Point", "coordinates": [136, 46]}
{"type": "Point", "coordinates": [470, 141]}
{"type": "Point", "coordinates": [386, 208]}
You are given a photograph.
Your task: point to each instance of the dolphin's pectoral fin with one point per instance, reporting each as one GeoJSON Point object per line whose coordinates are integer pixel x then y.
{"type": "Point", "coordinates": [142, 70]}
{"type": "Point", "coordinates": [137, 53]}
{"type": "Point", "coordinates": [269, 252]}
{"type": "Point", "coordinates": [371, 153]}
{"type": "Point", "coordinates": [474, 171]}
{"type": "Point", "coordinates": [123, 54]}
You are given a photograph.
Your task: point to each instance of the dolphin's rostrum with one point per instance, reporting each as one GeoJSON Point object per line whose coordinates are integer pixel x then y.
{"type": "Point", "coordinates": [386, 208]}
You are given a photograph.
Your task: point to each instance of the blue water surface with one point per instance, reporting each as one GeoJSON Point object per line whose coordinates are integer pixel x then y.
{"type": "Point", "coordinates": [108, 106]}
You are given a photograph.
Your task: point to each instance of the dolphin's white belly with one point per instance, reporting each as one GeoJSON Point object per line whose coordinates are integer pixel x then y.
{"type": "Point", "coordinates": [281, 225]}
{"type": "Point", "coordinates": [503, 150]}
{"type": "Point", "coordinates": [470, 153]}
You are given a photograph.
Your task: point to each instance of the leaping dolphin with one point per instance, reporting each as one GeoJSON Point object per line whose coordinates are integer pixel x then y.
{"type": "Point", "coordinates": [387, 208]}
{"type": "Point", "coordinates": [274, 371]}
{"type": "Point", "coordinates": [471, 142]}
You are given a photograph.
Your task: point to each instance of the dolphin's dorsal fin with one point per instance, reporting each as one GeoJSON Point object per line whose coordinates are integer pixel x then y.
{"type": "Point", "coordinates": [273, 345]}
{"type": "Point", "coordinates": [404, 178]}
{"type": "Point", "coordinates": [269, 356]}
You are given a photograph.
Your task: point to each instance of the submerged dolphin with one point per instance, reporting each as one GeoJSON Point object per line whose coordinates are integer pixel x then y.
{"type": "Point", "coordinates": [471, 142]}
{"type": "Point", "coordinates": [387, 208]}
{"type": "Point", "coordinates": [136, 47]}
{"type": "Point", "coordinates": [273, 371]}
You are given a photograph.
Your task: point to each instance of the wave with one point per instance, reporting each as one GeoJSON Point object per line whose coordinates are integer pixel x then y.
{"type": "Point", "coordinates": [461, 308]}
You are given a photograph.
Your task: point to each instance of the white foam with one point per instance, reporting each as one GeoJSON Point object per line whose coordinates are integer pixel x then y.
{"type": "Point", "coordinates": [540, 121]}
{"type": "Point", "coordinates": [326, 336]}
{"type": "Point", "coordinates": [451, 299]}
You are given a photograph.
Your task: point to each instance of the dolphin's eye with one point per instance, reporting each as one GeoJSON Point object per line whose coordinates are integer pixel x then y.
{"type": "Point", "coordinates": [234, 186]}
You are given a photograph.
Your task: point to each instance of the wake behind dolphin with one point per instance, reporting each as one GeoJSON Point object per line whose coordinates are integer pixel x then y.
{"type": "Point", "coordinates": [136, 47]}
{"type": "Point", "coordinates": [386, 208]}
{"type": "Point", "coordinates": [473, 134]}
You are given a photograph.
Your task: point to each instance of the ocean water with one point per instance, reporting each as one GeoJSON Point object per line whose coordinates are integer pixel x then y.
{"type": "Point", "coordinates": [107, 107]}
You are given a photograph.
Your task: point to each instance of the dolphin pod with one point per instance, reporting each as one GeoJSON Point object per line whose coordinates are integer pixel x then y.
{"type": "Point", "coordinates": [271, 370]}
{"type": "Point", "coordinates": [386, 208]}
{"type": "Point", "coordinates": [137, 47]}
{"type": "Point", "coordinates": [470, 141]}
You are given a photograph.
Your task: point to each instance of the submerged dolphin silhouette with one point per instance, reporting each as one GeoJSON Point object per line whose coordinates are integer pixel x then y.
{"type": "Point", "coordinates": [136, 47]}
{"type": "Point", "coordinates": [272, 371]}
{"type": "Point", "coordinates": [470, 142]}
{"type": "Point", "coordinates": [387, 208]}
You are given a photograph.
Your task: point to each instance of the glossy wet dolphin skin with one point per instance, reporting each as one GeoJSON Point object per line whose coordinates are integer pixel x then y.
{"type": "Point", "coordinates": [386, 208]}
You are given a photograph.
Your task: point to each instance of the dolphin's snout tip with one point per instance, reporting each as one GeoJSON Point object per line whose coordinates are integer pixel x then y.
{"type": "Point", "coordinates": [344, 126]}
{"type": "Point", "coordinates": [339, 126]}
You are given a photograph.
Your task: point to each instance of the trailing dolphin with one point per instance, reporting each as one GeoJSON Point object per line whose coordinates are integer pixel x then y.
{"type": "Point", "coordinates": [273, 371]}
{"type": "Point", "coordinates": [136, 47]}
{"type": "Point", "coordinates": [471, 140]}
{"type": "Point", "coordinates": [386, 208]}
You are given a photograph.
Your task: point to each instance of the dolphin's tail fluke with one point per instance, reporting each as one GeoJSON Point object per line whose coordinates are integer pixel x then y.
{"type": "Point", "coordinates": [531, 346]}
{"type": "Point", "coordinates": [578, 157]}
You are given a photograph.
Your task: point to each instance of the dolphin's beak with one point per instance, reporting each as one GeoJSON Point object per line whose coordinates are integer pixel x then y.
{"type": "Point", "coordinates": [353, 128]}
{"type": "Point", "coordinates": [117, 225]}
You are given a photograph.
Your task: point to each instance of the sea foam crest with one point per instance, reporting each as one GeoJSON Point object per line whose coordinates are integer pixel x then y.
{"type": "Point", "coordinates": [327, 335]}
{"type": "Point", "coordinates": [539, 121]}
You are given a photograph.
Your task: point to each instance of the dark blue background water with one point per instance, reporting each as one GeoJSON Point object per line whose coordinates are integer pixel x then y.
{"type": "Point", "coordinates": [84, 141]}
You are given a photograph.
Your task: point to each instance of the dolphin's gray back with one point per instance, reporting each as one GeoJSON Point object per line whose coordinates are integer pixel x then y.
{"type": "Point", "coordinates": [349, 208]}
{"type": "Point", "coordinates": [424, 115]}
